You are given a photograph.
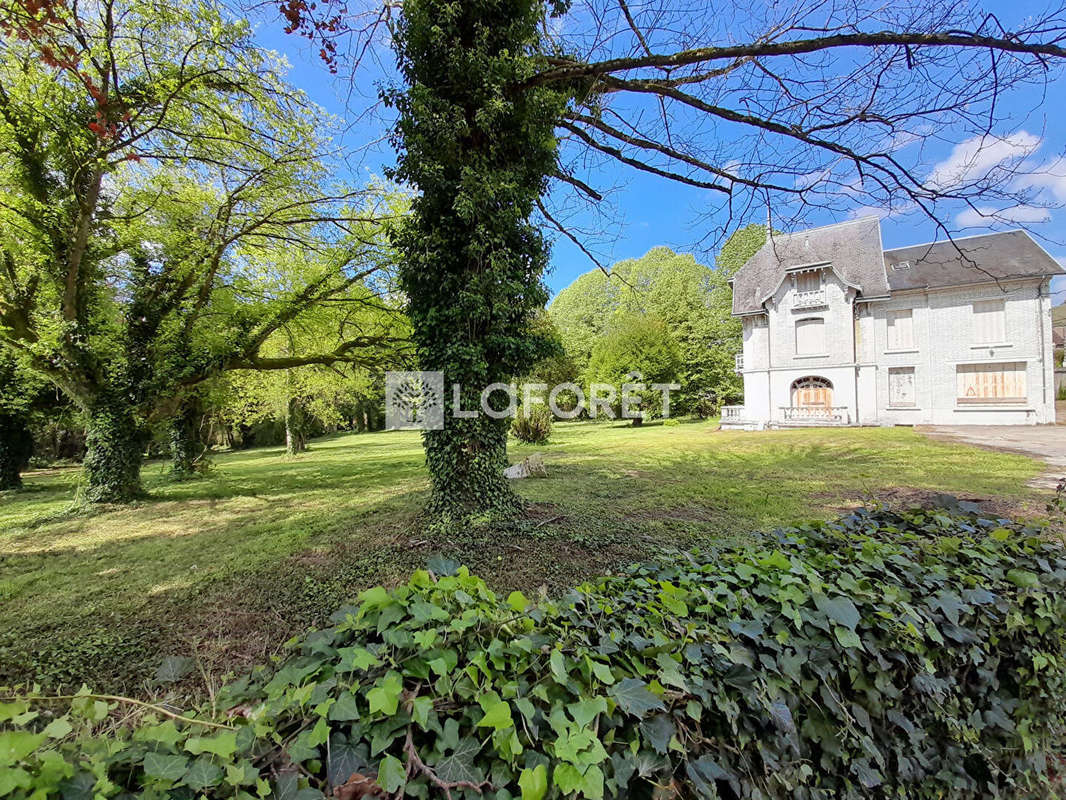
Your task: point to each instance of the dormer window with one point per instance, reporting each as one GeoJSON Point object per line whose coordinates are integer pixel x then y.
{"type": "Point", "coordinates": [808, 291]}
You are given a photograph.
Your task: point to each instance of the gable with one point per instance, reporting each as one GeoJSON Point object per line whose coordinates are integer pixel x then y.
{"type": "Point", "coordinates": [851, 249]}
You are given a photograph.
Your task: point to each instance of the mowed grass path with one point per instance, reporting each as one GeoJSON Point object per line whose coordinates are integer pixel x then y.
{"type": "Point", "coordinates": [229, 566]}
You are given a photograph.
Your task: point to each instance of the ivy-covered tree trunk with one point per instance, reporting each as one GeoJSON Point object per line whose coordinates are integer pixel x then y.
{"type": "Point", "coordinates": [480, 149]}
{"type": "Point", "coordinates": [186, 448]}
{"type": "Point", "coordinates": [16, 447]}
{"type": "Point", "coordinates": [114, 450]}
{"type": "Point", "coordinates": [295, 427]}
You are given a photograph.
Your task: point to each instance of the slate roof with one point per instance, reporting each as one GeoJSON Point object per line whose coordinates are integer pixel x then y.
{"type": "Point", "coordinates": [852, 248]}
{"type": "Point", "coordinates": [1010, 254]}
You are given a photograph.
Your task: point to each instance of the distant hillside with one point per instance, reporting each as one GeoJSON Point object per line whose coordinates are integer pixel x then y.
{"type": "Point", "coordinates": [1058, 315]}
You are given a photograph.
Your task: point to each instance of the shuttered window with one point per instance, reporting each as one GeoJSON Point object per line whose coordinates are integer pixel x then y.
{"type": "Point", "coordinates": [901, 387]}
{"type": "Point", "coordinates": [991, 383]}
{"type": "Point", "coordinates": [901, 330]}
{"type": "Point", "coordinates": [989, 322]}
{"type": "Point", "coordinates": [810, 337]}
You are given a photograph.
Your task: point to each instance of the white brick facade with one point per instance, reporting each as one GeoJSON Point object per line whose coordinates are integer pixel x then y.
{"type": "Point", "coordinates": [937, 364]}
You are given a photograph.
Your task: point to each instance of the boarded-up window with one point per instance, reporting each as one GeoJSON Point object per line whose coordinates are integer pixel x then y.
{"type": "Point", "coordinates": [901, 330]}
{"type": "Point", "coordinates": [810, 337]}
{"type": "Point", "coordinates": [989, 322]}
{"type": "Point", "coordinates": [991, 383]}
{"type": "Point", "coordinates": [901, 386]}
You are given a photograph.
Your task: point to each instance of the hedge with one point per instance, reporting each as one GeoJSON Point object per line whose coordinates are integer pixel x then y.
{"type": "Point", "coordinates": [916, 655]}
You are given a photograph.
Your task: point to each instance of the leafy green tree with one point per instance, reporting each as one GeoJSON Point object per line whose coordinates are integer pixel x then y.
{"type": "Point", "coordinates": [637, 349]}
{"type": "Point", "coordinates": [165, 211]}
{"type": "Point", "coordinates": [693, 300]}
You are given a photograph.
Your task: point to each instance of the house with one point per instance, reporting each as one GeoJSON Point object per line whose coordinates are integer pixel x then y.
{"type": "Point", "coordinates": [839, 331]}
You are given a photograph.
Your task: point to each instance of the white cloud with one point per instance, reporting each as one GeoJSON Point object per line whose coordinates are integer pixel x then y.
{"type": "Point", "coordinates": [1050, 177]}
{"type": "Point", "coordinates": [870, 211]}
{"type": "Point", "coordinates": [985, 216]}
{"type": "Point", "coordinates": [976, 158]}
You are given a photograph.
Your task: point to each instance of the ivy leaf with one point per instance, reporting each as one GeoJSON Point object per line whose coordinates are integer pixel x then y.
{"type": "Point", "coordinates": [223, 745]}
{"type": "Point", "coordinates": [356, 658]}
{"type": "Point", "coordinates": [1023, 578]}
{"type": "Point", "coordinates": [497, 712]}
{"type": "Point", "coordinates": [202, 774]}
{"type": "Point", "coordinates": [385, 696]}
{"type": "Point", "coordinates": [459, 765]}
{"type": "Point", "coordinates": [633, 697]}
{"type": "Point", "coordinates": [517, 601]}
{"type": "Point", "coordinates": [847, 638]}
{"type": "Point", "coordinates": [442, 567]}
{"type": "Point", "coordinates": [391, 774]}
{"type": "Point", "coordinates": [587, 710]}
{"type": "Point", "coordinates": [839, 609]}
{"type": "Point", "coordinates": [164, 766]}
{"type": "Point", "coordinates": [533, 782]}
{"type": "Point", "coordinates": [658, 730]}
{"type": "Point", "coordinates": [345, 759]}
{"type": "Point", "coordinates": [345, 709]}
{"type": "Point", "coordinates": [58, 728]}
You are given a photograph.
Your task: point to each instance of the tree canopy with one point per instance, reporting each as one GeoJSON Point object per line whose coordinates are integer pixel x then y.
{"type": "Point", "coordinates": [167, 208]}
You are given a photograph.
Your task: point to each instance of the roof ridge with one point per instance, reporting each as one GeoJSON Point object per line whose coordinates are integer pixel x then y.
{"type": "Point", "coordinates": [956, 239]}
{"type": "Point", "coordinates": [868, 218]}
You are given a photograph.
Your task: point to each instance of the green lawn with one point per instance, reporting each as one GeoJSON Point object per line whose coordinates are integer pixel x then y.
{"type": "Point", "coordinates": [229, 566]}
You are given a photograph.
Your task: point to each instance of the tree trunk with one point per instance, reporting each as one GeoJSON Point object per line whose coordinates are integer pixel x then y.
{"type": "Point", "coordinates": [466, 462]}
{"type": "Point", "coordinates": [114, 443]}
{"type": "Point", "coordinates": [187, 451]}
{"type": "Point", "coordinates": [16, 447]}
{"type": "Point", "coordinates": [295, 428]}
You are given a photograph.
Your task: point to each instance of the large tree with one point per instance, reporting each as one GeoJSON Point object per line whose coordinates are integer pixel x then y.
{"type": "Point", "coordinates": [165, 209]}
{"type": "Point", "coordinates": [692, 299]}
{"type": "Point", "coordinates": [787, 106]}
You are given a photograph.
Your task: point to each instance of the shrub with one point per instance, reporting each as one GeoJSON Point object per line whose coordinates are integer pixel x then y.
{"type": "Point", "coordinates": [914, 655]}
{"type": "Point", "coordinates": [534, 425]}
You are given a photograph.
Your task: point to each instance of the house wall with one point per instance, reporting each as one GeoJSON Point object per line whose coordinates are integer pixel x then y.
{"type": "Point", "coordinates": [858, 357]}
{"type": "Point", "coordinates": [944, 339]}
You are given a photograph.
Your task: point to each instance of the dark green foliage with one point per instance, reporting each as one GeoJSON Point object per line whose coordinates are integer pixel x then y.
{"type": "Point", "coordinates": [912, 655]}
{"type": "Point", "coordinates": [533, 425]}
{"type": "Point", "coordinates": [16, 447]}
{"type": "Point", "coordinates": [479, 151]}
{"type": "Point", "coordinates": [114, 444]}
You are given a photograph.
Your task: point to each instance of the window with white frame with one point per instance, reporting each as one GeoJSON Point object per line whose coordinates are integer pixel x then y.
{"type": "Point", "coordinates": [901, 390]}
{"type": "Point", "coordinates": [901, 329]}
{"type": "Point", "coordinates": [991, 383]}
{"type": "Point", "coordinates": [810, 336]}
{"type": "Point", "coordinates": [989, 322]}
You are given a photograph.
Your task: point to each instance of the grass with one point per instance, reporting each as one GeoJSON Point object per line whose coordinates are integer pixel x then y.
{"type": "Point", "coordinates": [226, 567]}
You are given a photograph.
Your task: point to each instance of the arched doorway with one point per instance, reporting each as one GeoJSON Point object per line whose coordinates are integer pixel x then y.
{"type": "Point", "coordinates": [812, 393]}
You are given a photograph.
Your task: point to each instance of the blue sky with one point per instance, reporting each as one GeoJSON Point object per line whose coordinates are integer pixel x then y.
{"type": "Point", "coordinates": [646, 211]}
